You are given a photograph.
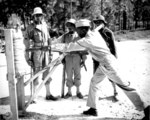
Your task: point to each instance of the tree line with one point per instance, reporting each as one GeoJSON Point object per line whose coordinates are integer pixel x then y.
{"type": "Point", "coordinates": [120, 14]}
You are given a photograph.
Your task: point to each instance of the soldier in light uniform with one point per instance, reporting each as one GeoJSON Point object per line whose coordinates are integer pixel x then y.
{"type": "Point", "coordinates": [93, 42]}
{"type": "Point", "coordinates": [109, 38]}
{"type": "Point", "coordinates": [37, 35]}
{"type": "Point", "coordinates": [72, 61]}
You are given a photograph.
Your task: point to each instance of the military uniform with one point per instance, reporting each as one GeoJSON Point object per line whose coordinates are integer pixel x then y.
{"type": "Point", "coordinates": [38, 36]}
{"type": "Point", "coordinates": [108, 36]}
{"type": "Point", "coordinates": [72, 61]}
{"type": "Point", "coordinates": [108, 66]}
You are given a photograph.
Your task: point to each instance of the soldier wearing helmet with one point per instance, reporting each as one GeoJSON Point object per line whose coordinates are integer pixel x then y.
{"type": "Point", "coordinates": [108, 36]}
{"type": "Point", "coordinates": [72, 61]}
{"type": "Point", "coordinates": [95, 45]}
{"type": "Point", "coordinates": [37, 36]}
{"type": "Point", "coordinates": [99, 19]}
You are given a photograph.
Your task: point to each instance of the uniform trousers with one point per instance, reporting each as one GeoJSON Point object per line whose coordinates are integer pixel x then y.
{"type": "Point", "coordinates": [109, 67]}
{"type": "Point", "coordinates": [73, 69]}
{"type": "Point", "coordinates": [41, 60]}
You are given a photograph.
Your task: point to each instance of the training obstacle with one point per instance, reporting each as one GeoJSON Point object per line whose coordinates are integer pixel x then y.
{"type": "Point", "coordinates": [17, 84]}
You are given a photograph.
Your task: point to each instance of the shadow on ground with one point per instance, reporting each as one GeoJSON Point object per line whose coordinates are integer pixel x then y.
{"type": "Point", "coordinates": [6, 100]}
{"type": "Point", "coordinates": [37, 116]}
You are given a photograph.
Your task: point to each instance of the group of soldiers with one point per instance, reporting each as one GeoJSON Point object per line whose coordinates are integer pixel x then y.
{"type": "Point", "coordinates": [80, 40]}
{"type": "Point", "coordinates": [36, 33]}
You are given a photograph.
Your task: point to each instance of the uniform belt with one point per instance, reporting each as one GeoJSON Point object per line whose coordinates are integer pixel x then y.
{"type": "Point", "coordinates": [73, 53]}
{"type": "Point", "coordinates": [39, 44]}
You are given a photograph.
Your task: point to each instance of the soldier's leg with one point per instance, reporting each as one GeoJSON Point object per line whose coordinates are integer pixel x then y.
{"type": "Point", "coordinates": [37, 61]}
{"type": "Point", "coordinates": [49, 96]}
{"type": "Point", "coordinates": [93, 96]}
{"type": "Point", "coordinates": [114, 98]}
{"type": "Point", "coordinates": [95, 65]}
{"type": "Point", "coordinates": [69, 75]}
{"type": "Point", "coordinates": [77, 74]}
{"type": "Point", "coordinates": [47, 84]}
{"type": "Point", "coordinates": [45, 61]}
{"type": "Point", "coordinates": [36, 69]}
{"type": "Point", "coordinates": [114, 87]}
{"type": "Point", "coordinates": [111, 69]}
{"type": "Point", "coordinates": [35, 81]}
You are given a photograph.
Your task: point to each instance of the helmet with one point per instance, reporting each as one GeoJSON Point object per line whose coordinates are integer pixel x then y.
{"type": "Point", "coordinates": [70, 21]}
{"type": "Point", "coordinates": [83, 23]}
{"type": "Point", "coordinates": [73, 21]}
{"type": "Point", "coordinates": [100, 17]}
{"type": "Point", "coordinates": [37, 10]}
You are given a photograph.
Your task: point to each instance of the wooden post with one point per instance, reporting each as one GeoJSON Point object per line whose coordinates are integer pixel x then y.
{"type": "Point", "coordinates": [11, 73]}
{"type": "Point", "coordinates": [20, 94]}
{"type": "Point", "coordinates": [63, 81]}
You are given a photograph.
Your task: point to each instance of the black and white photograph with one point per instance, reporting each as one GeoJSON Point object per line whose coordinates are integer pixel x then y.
{"type": "Point", "coordinates": [75, 60]}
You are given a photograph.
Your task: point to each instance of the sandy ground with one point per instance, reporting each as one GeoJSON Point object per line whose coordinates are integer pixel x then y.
{"type": "Point", "coordinates": [134, 60]}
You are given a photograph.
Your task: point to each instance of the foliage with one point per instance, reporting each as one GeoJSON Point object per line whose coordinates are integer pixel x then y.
{"type": "Point", "coordinates": [13, 20]}
{"type": "Point", "coordinates": [58, 11]}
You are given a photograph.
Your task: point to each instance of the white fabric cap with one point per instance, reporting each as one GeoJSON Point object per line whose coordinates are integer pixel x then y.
{"type": "Point", "coordinates": [83, 22]}
{"type": "Point", "coordinates": [37, 10]}
{"type": "Point", "coordinates": [73, 21]}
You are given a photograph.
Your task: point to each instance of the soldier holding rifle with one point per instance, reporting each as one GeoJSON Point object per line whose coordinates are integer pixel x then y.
{"type": "Point", "coordinates": [37, 36]}
{"type": "Point", "coordinates": [72, 61]}
{"type": "Point", "coordinates": [93, 42]}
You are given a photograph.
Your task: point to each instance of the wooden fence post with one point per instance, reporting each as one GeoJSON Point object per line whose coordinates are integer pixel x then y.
{"type": "Point", "coordinates": [11, 73]}
{"type": "Point", "coordinates": [20, 94]}
{"type": "Point", "coordinates": [63, 82]}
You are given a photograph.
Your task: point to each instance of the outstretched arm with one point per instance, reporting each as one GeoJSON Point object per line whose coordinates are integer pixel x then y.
{"type": "Point", "coordinates": [62, 47]}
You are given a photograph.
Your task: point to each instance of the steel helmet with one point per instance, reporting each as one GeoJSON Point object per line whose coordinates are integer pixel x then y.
{"type": "Point", "coordinates": [37, 10]}
{"type": "Point", "coordinates": [71, 21]}
{"type": "Point", "coordinates": [100, 17]}
{"type": "Point", "coordinates": [83, 23]}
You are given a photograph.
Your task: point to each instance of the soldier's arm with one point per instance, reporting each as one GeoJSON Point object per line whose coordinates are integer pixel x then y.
{"type": "Point", "coordinates": [112, 42]}
{"type": "Point", "coordinates": [27, 42]}
{"type": "Point", "coordinates": [58, 40]}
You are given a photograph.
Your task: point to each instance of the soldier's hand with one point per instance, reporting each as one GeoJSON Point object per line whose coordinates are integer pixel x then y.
{"type": "Point", "coordinates": [84, 57]}
{"type": "Point", "coordinates": [44, 48]}
{"type": "Point", "coordinates": [30, 63]}
{"type": "Point", "coordinates": [50, 58]}
{"type": "Point", "coordinates": [63, 61]}
{"type": "Point", "coordinates": [82, 64]}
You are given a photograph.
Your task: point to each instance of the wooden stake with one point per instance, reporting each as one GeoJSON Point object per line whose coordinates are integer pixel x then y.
{"type": "Point", "coordinates": [63, 81]}
{"type": "Point", "coordinates": [54, 64]}
{"type": "Point", "coordinates": [40, 87]}
{"type": "Point", "coordinates": [20, 94]}
{"type": "Point", "coordinates": [40, 72]}
{"type": "Point", "coordinates": [11, 73]}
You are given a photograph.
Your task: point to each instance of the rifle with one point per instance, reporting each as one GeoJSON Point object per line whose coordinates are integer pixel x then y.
{"type": "Point", "coordinates": [81, 55]}
{"type": "Point", "coordinates": [44, 48]}
{"type": "Point", "coordinates": [83, 64]}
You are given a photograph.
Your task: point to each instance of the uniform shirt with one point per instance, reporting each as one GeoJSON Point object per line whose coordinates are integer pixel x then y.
{"type": "Point", "coordinates": [66, 38]}
{"type": "Point", "coordinates": [92, 42]}
{"type": "Point", "coordinates": [108, 36]}
{"type": "Point", "coordinates": [38, 34]}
